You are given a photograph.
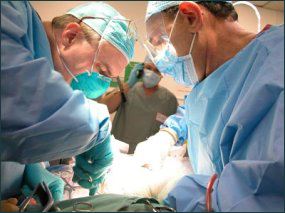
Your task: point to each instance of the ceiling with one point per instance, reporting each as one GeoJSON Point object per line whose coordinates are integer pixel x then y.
{"type": "Point", "coordinates": [273, 5]}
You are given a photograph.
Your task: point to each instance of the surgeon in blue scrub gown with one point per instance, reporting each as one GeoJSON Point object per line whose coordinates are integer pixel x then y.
{"type": "Point", "coordinates": [42, 118]}
{"type": "Point", "coordinates": [234, 117]}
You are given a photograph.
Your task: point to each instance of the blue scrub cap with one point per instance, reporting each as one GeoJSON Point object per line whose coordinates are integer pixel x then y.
{"type": "Point", "coordinates": [154, 7]}
{"type": "Point", "coordinates": [114, 32]}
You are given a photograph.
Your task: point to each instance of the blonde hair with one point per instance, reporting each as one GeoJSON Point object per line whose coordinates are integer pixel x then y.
{"type": "Point", "coordinates": [60, 22]}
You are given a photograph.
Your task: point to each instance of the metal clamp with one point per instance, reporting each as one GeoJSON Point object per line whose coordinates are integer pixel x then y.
{"type": "Point", "coordinates": [85, 207]}
{"type": "Point", "coordinates": [158, 208]}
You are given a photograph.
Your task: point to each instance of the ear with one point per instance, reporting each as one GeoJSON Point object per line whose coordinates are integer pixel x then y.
{"type": "Point", "coordinates": [193, 13]}
{"type": "Point", "coordinates": [70, 33]}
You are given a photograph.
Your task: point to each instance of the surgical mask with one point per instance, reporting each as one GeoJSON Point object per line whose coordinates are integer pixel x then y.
{"type": "Point", "coordinates": [166, 60]}
{"type": "Point", "coordinates": [92, 85]}
{"type": "Point", "coordinates": [182, 69]}
{"type": "Point", "coordinates": [150, 78]}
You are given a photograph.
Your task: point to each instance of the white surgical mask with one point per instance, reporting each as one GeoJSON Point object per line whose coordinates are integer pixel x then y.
{"type": "Point", "coordinates": [150, 78]}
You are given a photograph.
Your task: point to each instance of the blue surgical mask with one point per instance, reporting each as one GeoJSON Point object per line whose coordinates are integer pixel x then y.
{"type": "Point", "coordinates": [185, 72]}
{"type": "Point", "coordinates": [150, 78]}
{"type": "Point", "coordinates": [92, 85]}
{"type": "Point", "coordinates": [182, 69]}
{"type": "Point", "coordinates": [166, 60]}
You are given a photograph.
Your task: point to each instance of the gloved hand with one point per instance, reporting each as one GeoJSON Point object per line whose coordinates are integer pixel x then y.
{"type": "Point", "coordinates": [134, 75]}
{"type": "Point", "coordinates": [151, 152]}
{"type": "Point", "coordinates": [178, 152]}
{"type": "Point", "coordinates": [9, 205]}
{"type": "Point", "coordinates": [91, 166]}
{"type": "Point", "coordinates": [35, 174]}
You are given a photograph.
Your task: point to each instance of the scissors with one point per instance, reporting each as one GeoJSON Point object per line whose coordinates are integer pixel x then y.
{"type": "Point", "coordinates": [68, 187]}
{"type": "Point", "coordinates": [157, 208]}
{"type": "Point", "coordinates": [44, 195]}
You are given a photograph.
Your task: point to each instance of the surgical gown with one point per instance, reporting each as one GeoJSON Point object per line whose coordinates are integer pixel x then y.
{"type": "Point", "coordinates": [234, 123]}
{"type": "Point", "coordinates": [42, 118]}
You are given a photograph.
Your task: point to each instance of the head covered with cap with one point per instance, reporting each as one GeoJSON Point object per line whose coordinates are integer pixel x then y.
{"type": "Point", "coordinates": [154, 7]}
{"type": "Point", "coordinates": [109, 23]}
{"type": "Point", "coordinates": [176, 28]}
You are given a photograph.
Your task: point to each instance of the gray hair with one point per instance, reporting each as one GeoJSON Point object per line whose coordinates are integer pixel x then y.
{"type": "Point", "coordinates": [60, 22]}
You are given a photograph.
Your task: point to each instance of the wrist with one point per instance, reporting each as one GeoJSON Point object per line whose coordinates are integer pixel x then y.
{"type": "Point", "coordinates": [126, 88]}
{"type": "Point", "coordinates": [172, 133]}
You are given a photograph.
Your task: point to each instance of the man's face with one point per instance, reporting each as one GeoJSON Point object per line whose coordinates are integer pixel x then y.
{"type": "Point", "coordinates": [152, 67]}
{"type": "Point", "coordinates": [149, 79]}
{"type": "Point", "coordinates": [110, 61]}
{"type": "Point", "coordinates": [80, 56]}
{"type": "Point", "coordinates": [160, 25]}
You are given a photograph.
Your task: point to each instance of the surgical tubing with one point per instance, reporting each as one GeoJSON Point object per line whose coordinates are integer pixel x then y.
{"type": "Point", "coordinates": [208, 193]}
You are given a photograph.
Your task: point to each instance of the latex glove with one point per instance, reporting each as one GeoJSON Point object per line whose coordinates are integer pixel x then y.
{"type": "Point", "coordinates": [134, 75]}
{"type": "Point", "coordinates": [91, 166]}
{"type": "Point", "coordinates": [151, 152]}
{"type": "Point", "coordinates": [35, 174]}
{"type": "Point", "coordinates": [178, 152]}
{"type": "Point", "coordinates": [9, 205]}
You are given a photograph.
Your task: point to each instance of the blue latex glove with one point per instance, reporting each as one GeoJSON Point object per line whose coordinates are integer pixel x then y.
{"type": "Point", "coordinates": [35, 173]}
{"type": "Point", "coordinates": [91, 166]}
{"type": "Point", "coordinates": [133, 78]}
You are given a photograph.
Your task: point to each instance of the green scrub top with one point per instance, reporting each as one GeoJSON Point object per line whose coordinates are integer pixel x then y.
{"type": "Point", "coordinates": [141, 116]}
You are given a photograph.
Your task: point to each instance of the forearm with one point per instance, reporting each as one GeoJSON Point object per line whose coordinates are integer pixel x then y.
{"type": "Point", "coordinates": [64, 137]}
{"type": "Point", "coordinates": [113, 99]}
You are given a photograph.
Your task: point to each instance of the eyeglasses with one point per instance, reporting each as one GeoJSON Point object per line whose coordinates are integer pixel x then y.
{"type": "Point", "coordinates": [44, 197]}
{"type": "Point", "coordinates": [128, 26]}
